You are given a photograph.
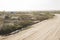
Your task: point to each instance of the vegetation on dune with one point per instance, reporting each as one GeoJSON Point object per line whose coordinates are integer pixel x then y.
{"type": "Point", "coordinates": [23, 21]}
{"type": "Point", "coordinates": [43, 16]}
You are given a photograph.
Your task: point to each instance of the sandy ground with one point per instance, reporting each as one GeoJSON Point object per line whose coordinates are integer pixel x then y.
{"type": "Point", "coordinates": [45, 30]}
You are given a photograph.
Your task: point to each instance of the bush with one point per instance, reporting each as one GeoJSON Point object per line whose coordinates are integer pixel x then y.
{"type": "Point", "coordinates": [44, 16]}
{"type": "Point", "coordinates": [7, 29]}
{"type": "Point", "coordinates": [24, 21]}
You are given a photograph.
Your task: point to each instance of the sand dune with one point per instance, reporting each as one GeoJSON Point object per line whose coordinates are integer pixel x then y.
{"type": "Point", "coordinates": [45, 30]}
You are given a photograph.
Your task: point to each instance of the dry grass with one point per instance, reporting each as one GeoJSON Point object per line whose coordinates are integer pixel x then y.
{"type": "Point", "coordinates": [24, 21]}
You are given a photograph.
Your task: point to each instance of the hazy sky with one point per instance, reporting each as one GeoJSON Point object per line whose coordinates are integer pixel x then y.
{"type": "Point", "coordinates": [29, 5]}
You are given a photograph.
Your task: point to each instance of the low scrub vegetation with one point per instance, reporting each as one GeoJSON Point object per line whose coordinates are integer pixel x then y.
{"type": "Point", "coordinates": [43, 16]}
{"type": "Point", "coordinates": [23, 21]}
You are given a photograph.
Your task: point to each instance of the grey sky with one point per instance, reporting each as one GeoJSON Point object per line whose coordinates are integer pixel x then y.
{"type": "Point", "coordinates": [29, 5]}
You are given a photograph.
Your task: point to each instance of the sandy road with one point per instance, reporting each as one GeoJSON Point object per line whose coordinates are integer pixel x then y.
{"type": "Point", "coordinates": [45, 30]}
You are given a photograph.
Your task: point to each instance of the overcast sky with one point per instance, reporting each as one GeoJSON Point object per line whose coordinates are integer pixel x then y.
{"type": "Point", "coordinates": [29, 5]}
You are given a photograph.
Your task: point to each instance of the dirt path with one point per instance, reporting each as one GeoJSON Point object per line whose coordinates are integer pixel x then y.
{"type": "Point", "coordinates": [45, 30]}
